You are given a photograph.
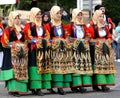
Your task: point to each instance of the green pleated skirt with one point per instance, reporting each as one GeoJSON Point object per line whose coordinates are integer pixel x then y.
{"type": "Point", "coordinates": [12, 84]}
{"type": "Point", "coordinates": [6, 75]}
{"type": "Point", "coordinates": [16, 86]}
{"type": "Point", "coordinates": [81, 80]}
{"type": "Point", "coordinates": [87, 80]}
{"type": "Point", "coordinates": [61, 80]}
{"type": "Point", "coordinates": [39, 81]}
{"type": "Point", "coordinates": [76, 80]}
{"type": "Point", "coordinates": [104, 79]}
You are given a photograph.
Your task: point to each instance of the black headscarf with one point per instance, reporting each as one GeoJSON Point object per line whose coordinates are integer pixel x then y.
{"type": "Point", "coordinates": [48, 14]}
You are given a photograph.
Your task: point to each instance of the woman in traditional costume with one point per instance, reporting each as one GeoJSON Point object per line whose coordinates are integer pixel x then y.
{"type": "Point", "coordinates": [81, 52]}
{"type": "Point", "coordinates": [101, 53]}
{"type": "Point", "coordinates": [14, 69]}
{"type": "Point", "coordinates": [38, 54]}
{"type": "Point", "coordinates": [1, 48]}
{"type": "Point", "coordinates": [46, 18]}
{"type": "Point", "coordinates": [107, 19]}
{"type": "Point", "coordinates": [61, 76]}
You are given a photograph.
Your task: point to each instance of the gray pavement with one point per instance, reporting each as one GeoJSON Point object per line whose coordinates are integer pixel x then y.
{"type": "Point", "coordinates": [114, 93]}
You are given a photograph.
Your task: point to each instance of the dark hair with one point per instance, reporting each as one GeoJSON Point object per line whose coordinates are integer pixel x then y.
{"type": "Point", "coordinates": [97, 7]}
{"type": "Point", "coordinates": [48, 14]}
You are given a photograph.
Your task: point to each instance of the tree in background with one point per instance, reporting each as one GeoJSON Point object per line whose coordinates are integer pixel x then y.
{"type": "Point", "coordinates": [47, 4]}
{"type": "Point", "coordinates": [34, 3]}
{"type": "Point", "coordinates": [112, 6]}
{"type": "Point", "coordinates": [112, 9]}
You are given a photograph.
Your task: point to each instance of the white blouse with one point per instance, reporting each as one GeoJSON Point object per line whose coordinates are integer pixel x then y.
{"type": "Point", "coordinates": [79, 32]}
{"type": "Point", "coordinates": [102, 33]}
{"type": "Point", "coordinates": [59, 30]}
{"type": "Point", "coordinates": [39, 31]}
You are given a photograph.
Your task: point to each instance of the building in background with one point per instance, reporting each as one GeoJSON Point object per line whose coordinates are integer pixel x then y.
{"type": "Point", "coordinates": [87, 6]}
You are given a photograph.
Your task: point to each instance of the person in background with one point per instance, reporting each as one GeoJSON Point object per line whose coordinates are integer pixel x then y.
{"type": "Point", "coordinates": [17, 4]}
{"type": "Point", "coordinates": [102, 61]}
{"type": "Point", "coordinates": [116, 36]}
{"type": "Point", "coordinates": [64, 15]}
{"type": "Point", "coordinates": [14, 70]}
{"type": "Point", "coordinates": [108, 20]}
{"type": "Point", "coordinates": [46, 18]}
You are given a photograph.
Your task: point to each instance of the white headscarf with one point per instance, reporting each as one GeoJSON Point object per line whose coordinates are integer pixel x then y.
{"type": "Point", "coordinates": [95, 18]}
{"type": "Point", "coordinates": [33, 13]}
{"type": "Point", "coordinates": [96, 15]}
{"type": "Point", "coordinates": [11, 22]}
{"type": "Point", "coordinates": [53, 13]}
{"type": "Point", "coordinates": [75, 12]}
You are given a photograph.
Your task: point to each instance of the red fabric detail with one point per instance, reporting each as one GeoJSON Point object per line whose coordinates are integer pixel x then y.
{"type": "Point", "coordinates": [3, 40]}
{"type": "Point", "coordinates": [33, 46]}
{"type": "Point", "coordinates": [25, 30]}
{"type": "Point", "coordinates": [109, 20]}
{"type": "Point", "coordinates": [17, 1]}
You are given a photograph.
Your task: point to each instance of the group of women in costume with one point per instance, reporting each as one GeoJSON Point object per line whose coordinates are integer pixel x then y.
{"type": "Point", "coordinates": [55, 55]}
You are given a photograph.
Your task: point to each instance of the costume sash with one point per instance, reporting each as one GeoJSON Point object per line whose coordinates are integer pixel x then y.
{"type": "Point", "coordinates": [104, 57]}
{"type": "Point", "coordinates": [43, 55]}
{"type": "Point", "coordinates": [19, 56]}
{"type": "Point", "coordinates": [81, 55]}
{"type": "Point", "coordinates": [62, 57]}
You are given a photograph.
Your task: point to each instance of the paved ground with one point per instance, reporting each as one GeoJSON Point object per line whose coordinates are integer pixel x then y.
{"type": "Point", "coordinates": [114, 93]}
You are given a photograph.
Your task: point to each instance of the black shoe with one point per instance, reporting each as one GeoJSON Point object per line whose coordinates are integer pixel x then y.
{"type": "Point", "coordinates": [51, 91]}
{"type": "Point", "coordinates": [33, 92]}
{"type": "Point", "coordinates": [39, 92]}
{"type": "Point", "coordinates": [61, 91]}
{"type": "Point", "coordinates": [82, 89]}
{"type": "Point", "coordinates": [96, 88]}
{"type": "Point", "coordinates": [16, 94]}
{"type": "Point", "coordinates": [10, 93]}
{"type": "Point", "coordinates": [74, 90]}
{"type": "Point", "coordinates": [105, 89]}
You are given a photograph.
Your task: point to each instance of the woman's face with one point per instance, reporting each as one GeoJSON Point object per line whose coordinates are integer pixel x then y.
{"type": "Point", "coordinates": [39, 16]}
{"type": "Point", "coordinates": [103, 10]}
{"type": "Point", "coordinates": [17, 20]}
{"type": "Point", "coordinates": [101, 18]}
{"type": "Point", "coordinates": [46, 18]}
{"type": "Point", "coordinates": [59, 15]}
{"type": "Point", "coordinates": [79, 16]}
